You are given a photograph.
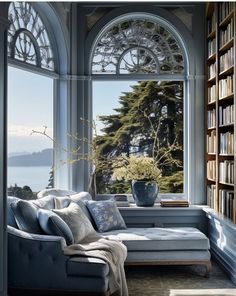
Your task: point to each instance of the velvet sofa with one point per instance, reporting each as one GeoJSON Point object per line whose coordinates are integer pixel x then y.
{"type": "Point", "coordinates": [36, 262]}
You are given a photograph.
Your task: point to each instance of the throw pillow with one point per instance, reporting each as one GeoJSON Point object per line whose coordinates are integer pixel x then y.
{"type": "Point", "coordinates": [77, 221]}
{"type": "Point", "coordinates": [26, 216]}
{"type": "Point", "coordinates": [81, 199]}
{"type": "Point", "coordinates": [52, 224]}
{"type": "Point", "coordinates": [106, 215]}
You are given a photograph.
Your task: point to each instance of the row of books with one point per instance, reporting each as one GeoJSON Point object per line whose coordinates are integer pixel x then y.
{"type": "Point", "coordinates": [227, 143]}
{"type": "Point", "coordinates": [226, 171]}
{"type": "Point", "coordinates": [226, 86]}
{"type": "Point", "coordinates": [226, 115]}
{"type": "Point", "coordinates": [211, 23]}
{"type": "Point", "coordinates": [211, 94]}
{"type": "Point", "coordinates": [211, 47]}
{"type": "Point", "coordinates": [227, 34]}
{"type": "Point", "coordinates": [211, 118]}
{"type": "Point", "coordinates": [226, 202]}
{"type": "Point", "coordinates": [211, 142]}
{"type": "Point", "coordinates": [212, 71]}
{"type": "Point", "coordinates": [211, 196]}
{"type": "Point", "coordinates": [174, 202]}
{"type": "Point", "coordinates": [211, 169]}
{"type": "Point", "coordinates": [227, 60]}
{"type": "Point", "coordinates": [225, 9]}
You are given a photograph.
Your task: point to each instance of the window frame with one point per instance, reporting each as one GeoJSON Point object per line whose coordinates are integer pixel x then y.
{"type": "Point", "coordinates": [59, 39]}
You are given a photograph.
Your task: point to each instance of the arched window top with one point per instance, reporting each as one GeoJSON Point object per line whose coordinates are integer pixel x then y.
{"type": "Point", "coordinates": [28, 40]}
{"type": "Point", "coordinates": [137, 44]}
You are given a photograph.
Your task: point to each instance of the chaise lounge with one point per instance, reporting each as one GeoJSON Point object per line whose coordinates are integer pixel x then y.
{"type": "Point", "coordinates": [37, 261]}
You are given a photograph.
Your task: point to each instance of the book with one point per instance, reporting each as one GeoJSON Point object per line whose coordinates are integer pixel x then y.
{"type": "Point", "coordinates": [174, 202]}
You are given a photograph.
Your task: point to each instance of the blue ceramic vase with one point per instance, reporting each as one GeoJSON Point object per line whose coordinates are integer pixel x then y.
{"type": "Point", "coordinates": [144, 193]}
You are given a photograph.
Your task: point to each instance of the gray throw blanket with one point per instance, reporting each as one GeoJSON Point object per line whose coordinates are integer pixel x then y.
{"type": "Point", "coordinates": [111, 251]}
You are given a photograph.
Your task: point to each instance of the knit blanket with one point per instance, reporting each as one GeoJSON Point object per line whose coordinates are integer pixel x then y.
{"type": "Point", "coordinates": [111, 251]}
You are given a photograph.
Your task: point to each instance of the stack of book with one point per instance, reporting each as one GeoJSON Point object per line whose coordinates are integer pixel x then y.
{"type": "Point", "coordinates": [121, 200]}
{"type": "Point", "coordinates": [174, 202]}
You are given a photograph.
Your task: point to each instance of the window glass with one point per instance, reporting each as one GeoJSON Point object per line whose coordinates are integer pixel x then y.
{"type": "Point", "coordinates": [30, 156]}
{"type": "Point", "coordinates": [142, 119]}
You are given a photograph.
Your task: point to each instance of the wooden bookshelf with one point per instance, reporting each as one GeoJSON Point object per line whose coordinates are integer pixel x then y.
{"type": "Point", "coordinates": [220, 107]}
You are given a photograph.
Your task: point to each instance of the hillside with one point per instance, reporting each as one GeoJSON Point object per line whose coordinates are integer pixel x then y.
{"type": "Point", "coordinates": [42, 158]}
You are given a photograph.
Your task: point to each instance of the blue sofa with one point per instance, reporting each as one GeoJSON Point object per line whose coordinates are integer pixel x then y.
{"type": "Point", "coordinates": [36, 261]}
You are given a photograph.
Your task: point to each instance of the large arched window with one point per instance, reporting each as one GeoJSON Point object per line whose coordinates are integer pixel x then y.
{"type": "Point", "coordinates": [31, 74]}
{"type": "Point", "coordinates": [140, 111]}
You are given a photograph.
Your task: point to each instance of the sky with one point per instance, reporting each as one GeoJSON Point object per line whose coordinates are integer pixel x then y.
{"type": "Point", "coordinates": [30, 107]}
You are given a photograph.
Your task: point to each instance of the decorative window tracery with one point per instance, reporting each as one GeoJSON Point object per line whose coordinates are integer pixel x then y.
{"type": "Point", "coordinates": [28, 39]}
{"type": "Point", "coordinates": [137, 45]}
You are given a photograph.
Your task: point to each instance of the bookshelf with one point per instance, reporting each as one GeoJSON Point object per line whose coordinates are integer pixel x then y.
{"type": "Point", "coordinates": [220, 108]}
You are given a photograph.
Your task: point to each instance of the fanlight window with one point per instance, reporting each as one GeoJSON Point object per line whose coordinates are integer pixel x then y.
{"type": "Point", "coordinates": [28, 39]}
{"type": "Point", "coordinates": [137, 45]}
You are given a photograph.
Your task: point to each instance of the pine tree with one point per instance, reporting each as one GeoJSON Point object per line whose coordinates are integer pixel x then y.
{"type": "Point", "coordinates": [149, 120]}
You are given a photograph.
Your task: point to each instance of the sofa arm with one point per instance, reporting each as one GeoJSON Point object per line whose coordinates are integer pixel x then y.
{"type": "Point", "coordinates": [33, 258]}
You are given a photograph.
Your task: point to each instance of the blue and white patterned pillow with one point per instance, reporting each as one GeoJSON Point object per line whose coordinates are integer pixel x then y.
{"type": "Point", "coordinates": [106, 215]}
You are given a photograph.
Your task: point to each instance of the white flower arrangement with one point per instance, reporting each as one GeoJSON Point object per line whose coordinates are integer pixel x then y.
{"type": "Point", "coordinates": [135, 167]}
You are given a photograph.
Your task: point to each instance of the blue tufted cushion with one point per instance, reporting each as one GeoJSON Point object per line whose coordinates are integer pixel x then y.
{"type": "Point", "coordinates": [78, 222]}
{"type": "Point", "coordinates": [25, 214]}
{"type": "Point", "coordinates": [52, 224]}
{"type": "Point", "coordinates": [106, 215]}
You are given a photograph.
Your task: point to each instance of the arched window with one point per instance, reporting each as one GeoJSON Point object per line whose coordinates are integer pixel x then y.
{"type": "Point", "coordinates": [143, 115]}
{"type": "Point", "coordinates": [31, 74]}
{"type": "Point", "coordinates": [28, 39]}
{"type": "Point", "coordinates": [137, 44]}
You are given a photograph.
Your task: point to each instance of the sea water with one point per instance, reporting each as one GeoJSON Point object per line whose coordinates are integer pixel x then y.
{"type": "Point", "coordinates": [36, 177]}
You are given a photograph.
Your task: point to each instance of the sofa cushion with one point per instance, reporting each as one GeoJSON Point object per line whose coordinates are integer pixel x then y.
{"type": "Point", "coordinates": [52, 224]}
{"type": "Point", "coordinates": [81, 199]}
{"type": "Point", "coordinates": [46, 202]}
{"type": "Point", "coordinates": [106, 215]}
{"type": "Point", "coordinates": [176, 255]}
{"type": "Point", "coordinates": [75, 218]}
{"type": "Point", "coordinates": [154, 239]}
{"type": "Point", "coordinates": [25, 213]}
{"type": "Point", "coordinates": [61, 202]}
{"type": "Point", "coordinates": [54, 192]}
{"type": "Point", "coordinates": [88, 267]}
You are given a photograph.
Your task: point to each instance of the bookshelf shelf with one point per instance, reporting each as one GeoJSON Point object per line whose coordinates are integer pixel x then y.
{"type": "Point", "coordinates": [212, 35]}
{"type": "Point", "coordinates": [225, 126]}
{"type": "Point", "coordinates": [227, 71]}
{"type": "Point", "coordinates": [226, 20]}
{"type": "Point", "coordinates": [227, 184]}
{"type": "Point", "coordinates": [226, 155]}
{"type": "Point", "coordinates": [211, 58]}
{"type": "Point", "coordinates": [229, 97]}
{"type": "Point", "coordinates": [211, 128]}
{"type": "Point", "coordinates": [220, 112]}
{"type": "Point", "coordinates": [227, 46]}
{"type": "Point", "coordinates": [211, 180]}
{"type": "Point", "coordinates": [212, 79]}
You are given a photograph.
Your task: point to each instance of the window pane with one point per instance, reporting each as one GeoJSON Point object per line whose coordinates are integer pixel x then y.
{"type": "Point", "coordinates": [137, 44]}
{"type": "Point", "coordinates": [141, 119]}
{"type": "Point", "coordinates": [30, 156]}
